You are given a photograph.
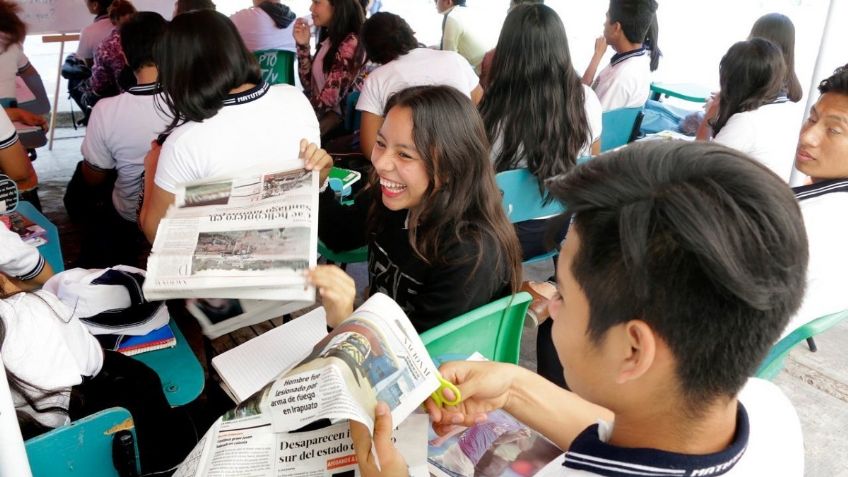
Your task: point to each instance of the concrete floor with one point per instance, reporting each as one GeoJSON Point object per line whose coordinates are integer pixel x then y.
{"type": "Point", "coordinates": [817, 383]}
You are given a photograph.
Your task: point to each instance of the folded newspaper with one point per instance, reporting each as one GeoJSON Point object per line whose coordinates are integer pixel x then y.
{"type": "Point", "coordinates": [245, 237]}
{"type": "Point", "coordinates": [375, 355]}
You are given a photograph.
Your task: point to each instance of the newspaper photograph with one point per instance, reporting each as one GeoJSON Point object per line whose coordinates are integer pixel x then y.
{"type": "Point", "coordinates": [374, 355]}
{"type": "Point", "coordinates": [221, 316]}
{"type": "Point", "coordinates": [247, 237]}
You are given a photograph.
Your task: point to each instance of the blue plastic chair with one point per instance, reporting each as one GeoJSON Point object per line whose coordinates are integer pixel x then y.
{"type": "Point", "coordinates": [277, 66]}
{"type": "Point", "coordinates": [83, 448]}
{"type": "Point", "coordinates": [522, 201]}
{"type": "Point", "coordinates": [352, 117]}
{"type": "Point", "coordinates": [774, 360]}
{"type": "Point", "coordinates": [619, 127]}
{"type": "Point", "coordinates": [178, 368]}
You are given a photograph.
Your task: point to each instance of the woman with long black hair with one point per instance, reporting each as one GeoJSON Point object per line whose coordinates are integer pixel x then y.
{"type": "Point", "coordinates": [328, 76]}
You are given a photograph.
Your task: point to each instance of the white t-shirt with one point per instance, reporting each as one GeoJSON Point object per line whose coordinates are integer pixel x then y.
{"type": "Point", "coordinates": [466, 35]}
{"type": "Point", "coordinates": [823, 207]}
{"type": "Point", "coordinates": [768, 134]}
{"type": "Point", "coordinates": [626, 81]}
{"type": "Point", "coordinates": [419, 67]}
{"type": "Point", "coordinates": [12, 61]}
{"type": "Point", "coordinates": [18, 259]}
{"type": "Point", "coordinates": [46, 347]}
{"type": "Point", "coordinates": [775, 446]}
{"type": "Point", "coordinates": [259, 31]}
{"type": "Point", "coordinates": [8, 134]}
{"type": "Point", "coordinates": [594, 114]}
{"type": "Point", "coordinates": [260, 126]}
{"type": "Point", "coordinates": [118, 137]}
{"type": "Point", "coordinates": [93, 35]}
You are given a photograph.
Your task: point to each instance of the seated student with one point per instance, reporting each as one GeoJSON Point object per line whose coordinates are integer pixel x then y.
{"type": "Point", "coordinates": [683, 264]}
{"type": "Point", "coordinates": [267, 25]}
{"type": "Point", "coordinates": [185, 6]}
{"type": "Point", "coordinates": [631, 30]}
{"type": "Point", "coordinates": [753, 114]}
{"type": "Point", "coordinates": [117, 139]}
{"type": "Point", "coordinates": [539, 116]}
{"type": "Point", "coordinates": [58, 373]}
{"type": "Point", "coordinates": [822, 154]}
{"type": "Point", "coordinates": [329, 76]}
{"type": "Point", "coordinates": [389, 41]}
{"type": "Point", "coordinates": [109, 62]}
{"type": "Point", "coordinates": [15, 164]}
{"type": "Point", "coordinates": [91, 37]}
{"type": "Point", "coordinates": [21, 266]}
{"type": "Point", "coordinates": [486, 64]}
{"type": "Point", "coordinates": [461, 32]}
{"type": "Point", "coordinates": [438, 239]}
{"type": "Point", "coordinates": [778, 29]}
{"type": "Point", "coordinates": [223, 122]}
{"type": "Point", "coordinates": [14, 63]}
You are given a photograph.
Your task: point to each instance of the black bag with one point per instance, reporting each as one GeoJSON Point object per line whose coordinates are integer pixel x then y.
{"type": "Point", "coordinates": [86, 202]}
{"type": "Point", "coordinates": [75, 69]}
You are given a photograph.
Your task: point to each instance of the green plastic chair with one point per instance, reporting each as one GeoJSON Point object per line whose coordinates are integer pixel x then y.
{"type": "Point", "coordinates": [774, 360]}
{"type": "Point", "coordinates": [620, 126]}
{"type": "Point", "coordinates": [344, 257]}
{"type": "Point", "coordinates": [277, 66]}
{"type": "Point", "coordinates": [494, 330]}
{"type": "Point", "coordinates": [178, 368]}
{"type": "Point", "coordinates": [523, 201]}
{"type": "Point", "coordinates": [82, 448]}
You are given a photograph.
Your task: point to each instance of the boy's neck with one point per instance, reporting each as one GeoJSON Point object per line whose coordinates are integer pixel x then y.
{"type": "Point", "coordinates": [146, 75]}
{"type": "Point", "coordinates": [624, 45]}
{"type": "Point", "coordinates": [659, 428]}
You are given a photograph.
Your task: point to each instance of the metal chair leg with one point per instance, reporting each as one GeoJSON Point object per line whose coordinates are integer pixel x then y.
{"type": "Point", "coordinates": [812, 344]}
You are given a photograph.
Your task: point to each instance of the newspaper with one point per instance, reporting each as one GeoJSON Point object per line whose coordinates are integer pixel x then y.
{"type": "Point", "coordinates": [220, 316]}
{"type": "Point", "coordinates": [246, 237]}
{"type": "Point", "coordinates": [374, 355]}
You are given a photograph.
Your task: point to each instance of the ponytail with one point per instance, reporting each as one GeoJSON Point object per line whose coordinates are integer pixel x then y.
{"type": "Point", "coordinates": [651, 43]}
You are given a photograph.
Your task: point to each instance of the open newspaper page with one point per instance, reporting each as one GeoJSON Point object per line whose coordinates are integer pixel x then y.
{"type": "Point", "coordinates": [375, 355]}
{"type": "Point", "coordinates": [247, 237]}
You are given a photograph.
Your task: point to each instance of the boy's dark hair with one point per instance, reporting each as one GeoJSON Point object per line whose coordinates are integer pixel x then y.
{"type": "Point", "coordinates": [185, 6]}
{"type": "Point", "coordinates": [638, 19]}
{"type": "Point", "coordinates": [103, 7]}
{"type": "Point", "coordinates": [138, 36]}
{"type": "Point", "coordinates": [386, 36]}
{"type": "Point", "coordinates": [459, 3]}
{"type": "Point", "coordinates": [705, 245]}
{"type": "Point", "coordinates": [836, 83]}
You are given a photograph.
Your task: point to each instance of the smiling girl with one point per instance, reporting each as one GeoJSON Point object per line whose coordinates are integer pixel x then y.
{"type": "Point", "coordinates": [438, 240]}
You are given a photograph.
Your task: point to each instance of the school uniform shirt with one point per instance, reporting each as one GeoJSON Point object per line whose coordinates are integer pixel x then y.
{"type": "Point", "coordinates": [823, 207]}
{"type": "Point", "coordinates": [48, 348]}
{"type": "Point", "coordinates": [464, 34]}
{"type": "Point", "coordinates": [594, 115]}
{"type": "Point", "coordinates": [259, 31]}
{"type": "Point", "coordinates": [18, 259]}
{"type": "Point", "coordinates": [626, 81]}
{"type": "Point", "coordinates": [260, 126]}
{"type": "Point", "coordinates": [118, 137]}
{"type": "Point", "coordinates": [430, 294]}
{"type": "Point", "coordinates": [92, 35]}
{"type": "Point", "coordinates": [12, 62]}
{"type": "Point", "coordinates": [768, 441]}
{"type": "Point", "coordinates": [419, 67]}
{"type": "Point", "coordinates": [8, 138]}
{"type": "Point", "coordinates": [768, 134]}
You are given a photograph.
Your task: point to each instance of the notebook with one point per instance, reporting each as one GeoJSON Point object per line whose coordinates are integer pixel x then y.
{"type": "Point", "coordinates": [248, 367]}
{"type": "Point", "coordinates": [160, 338]}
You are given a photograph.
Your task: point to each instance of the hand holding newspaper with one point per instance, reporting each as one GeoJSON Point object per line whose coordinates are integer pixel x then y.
{"type": "Point", "coordinates": [250, 236]}
{"type": "Point", "coordinates": [375, 355]}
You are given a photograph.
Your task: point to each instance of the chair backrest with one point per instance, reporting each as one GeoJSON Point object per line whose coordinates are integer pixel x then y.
{"type": "Point", "coordinates": [618, 127]}
{"type": "Point", "coordinates": [178, 368]}
{"type": "Point", "coordinates": [774, 360]}
{"type": "Point", "coordinates": [277, 66]}
{"type": "Point", "coordinates": [522, 199]}
{"type": "Point", "coordinates": [82, 448]}
{"type": "Point", "coordinates": [493, 330]}
{"type": "Point", "coordinates": [352, 117]}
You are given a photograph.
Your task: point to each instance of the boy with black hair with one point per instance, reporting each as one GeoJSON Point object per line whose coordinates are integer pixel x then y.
{"type": "Point", "coordinates": [117, 138]}
{"type": "Point", "coordinates": [683, 265]}
{"type": "Point", "coordinates": [822, 155]}
{"type": "Point", "coordinates": [631, 30]}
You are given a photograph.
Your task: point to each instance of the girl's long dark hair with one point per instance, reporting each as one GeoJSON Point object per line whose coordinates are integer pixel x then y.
{"type": "Point", "coordinates": [778, 29]}
{"type": "Point", "coordinates": [466, 204]}
{"type": "Point", "coordinates": [751, 75]}
{"type": "Point", "coordinates": [535, 101]}
{"type": "Point", "coordinates": [30, 427]}
{"type": "Point", "coordinates": [348, 17]}
{"type": "Point", "coordinates": [201, 58]}
{"type": "Point", "coordinates": [12, 28]}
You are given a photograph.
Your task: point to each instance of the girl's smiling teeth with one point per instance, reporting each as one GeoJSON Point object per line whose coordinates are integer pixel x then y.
{"type": "Point", "coordinates": [391, 186]}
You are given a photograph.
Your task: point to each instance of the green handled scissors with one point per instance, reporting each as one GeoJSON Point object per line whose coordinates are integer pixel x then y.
{"type": "Point", "coordinates": [439, 396]}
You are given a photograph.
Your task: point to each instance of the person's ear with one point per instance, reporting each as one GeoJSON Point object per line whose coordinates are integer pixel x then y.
{"type": "Point", "coordinates": [642, 351]}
